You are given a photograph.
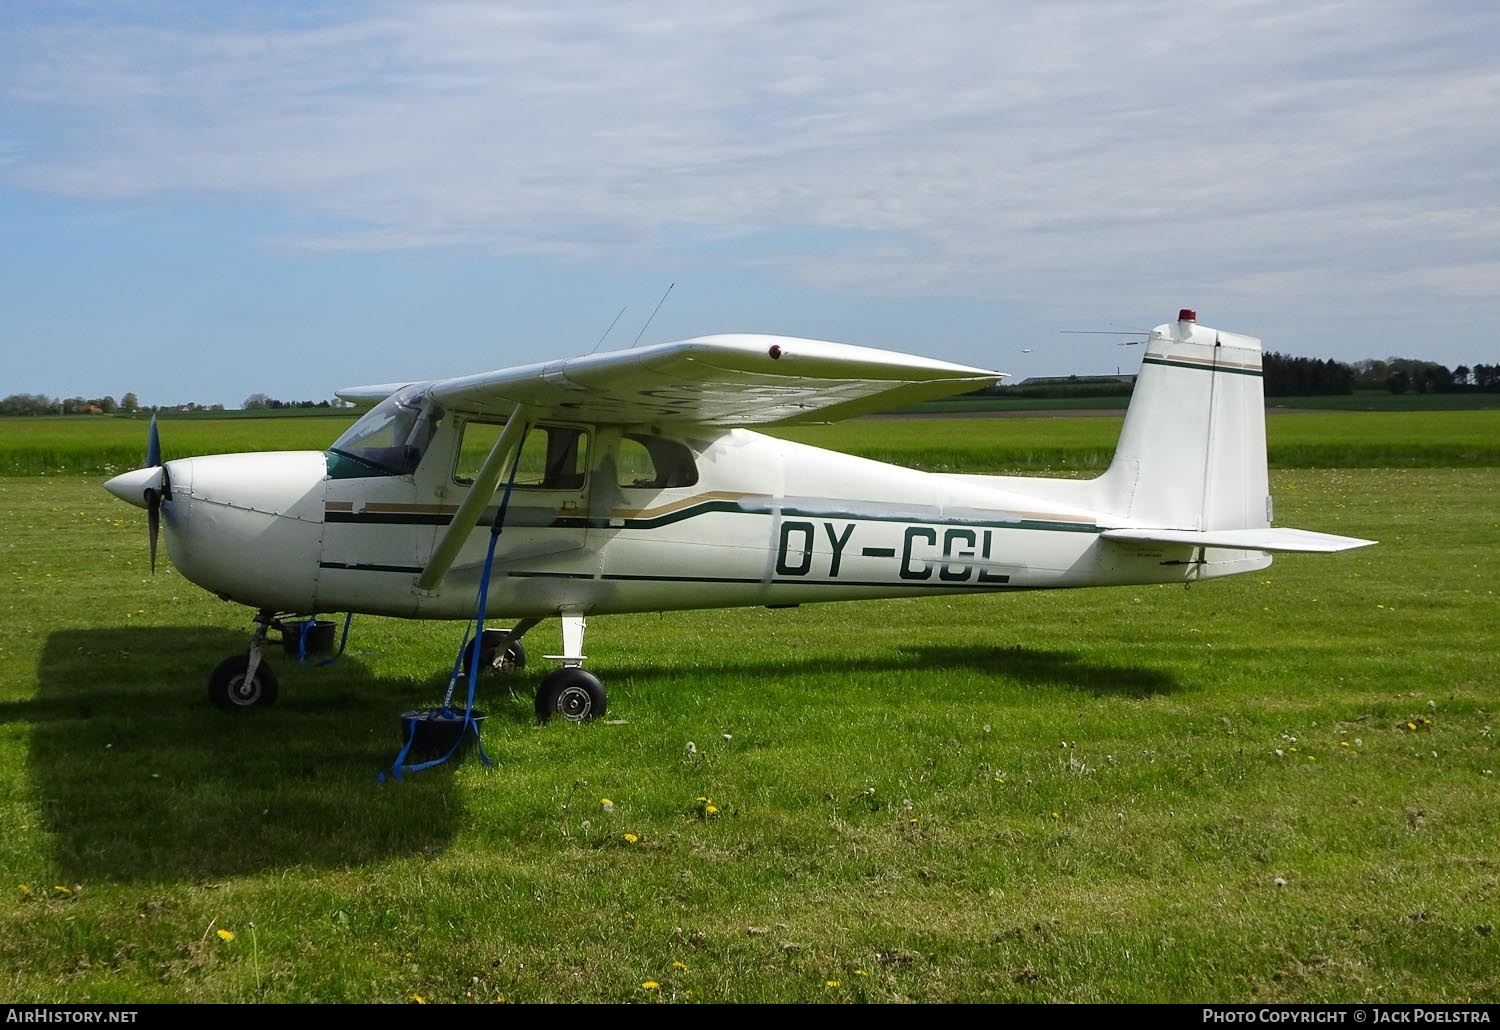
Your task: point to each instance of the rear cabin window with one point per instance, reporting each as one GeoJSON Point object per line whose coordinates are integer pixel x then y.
{"type": "Point", "coordinates": [552, 457]}
{"type": "Point", "coordinates": [654, 462]}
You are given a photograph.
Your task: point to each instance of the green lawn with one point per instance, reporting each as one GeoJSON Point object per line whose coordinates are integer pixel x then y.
{"type": "Point", "coordinates": [1044, 444]}
{"type": "Point", "coordinates": [1275, 788]}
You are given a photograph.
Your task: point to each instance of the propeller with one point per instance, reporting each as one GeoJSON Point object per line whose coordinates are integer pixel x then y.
{"type": "Point", "coordinates": [153, 493]}
{"type": "Point", "coordinates": [153, 446]}
{"type": "Point", "coordinates": [146, 487]}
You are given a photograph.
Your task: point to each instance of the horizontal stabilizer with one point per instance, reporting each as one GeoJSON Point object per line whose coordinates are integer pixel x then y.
{"type": "Point", "coordinates": [1244, 539]}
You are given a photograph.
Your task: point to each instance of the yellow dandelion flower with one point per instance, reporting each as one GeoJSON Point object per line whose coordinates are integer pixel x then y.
{"type": "Point", "coordinates": [702, 800]}
{"type": "Point", "coordinates": [631, 838]}
{"type": "Point", "coordinates": [860, 972]}
{"type": "Point", "coordinates": [607, 804]}
{"type": "Point", "coordinates": [25, 889]}
{"type": "Point", "coordinates": [419, 999]}
{"type": "Point", "coordinates": [830, 983]}
{"type": "Point", "coordinates": [1057, 815]}
{"type": "Point", "coordinates": [712, 810]}
{"type": "Point", "coordinates": [1343, 743]}
{"type": "Point", "coordinates": [61, 889]}
{"type": "Point", "coordinates": [650, 985]}
{"type": "Point", "coordinates": [226, 935]}
{"type": "Point", "coordinates": [1411, 725]}
{"type": "Point", "coordinates": [1312, 758]}
{"type": "Point", "coordinates": [680, 965]}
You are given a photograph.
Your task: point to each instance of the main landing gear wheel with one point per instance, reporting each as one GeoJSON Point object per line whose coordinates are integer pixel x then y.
{"type": "Point", "coordinates": [576, 695]}
{"type": "Point", "coordinates": [229, 688]}
{"type": "Point", "coordinates": [490, 655]}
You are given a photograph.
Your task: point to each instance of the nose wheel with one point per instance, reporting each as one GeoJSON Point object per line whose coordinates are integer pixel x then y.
{"type": "Point", "coordinates": [236, 687]}
{"type": "Point", "coordinates": [244, 681]}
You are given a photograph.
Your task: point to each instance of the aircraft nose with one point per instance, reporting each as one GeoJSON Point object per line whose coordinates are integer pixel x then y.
{"type": "Point", "coordinates": [131, 487]}
{"type": "Point", "coordinates": [249, 527]}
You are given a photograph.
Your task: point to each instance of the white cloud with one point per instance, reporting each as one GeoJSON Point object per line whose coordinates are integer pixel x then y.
{"type": "Point", "coordinates": [937, 147]}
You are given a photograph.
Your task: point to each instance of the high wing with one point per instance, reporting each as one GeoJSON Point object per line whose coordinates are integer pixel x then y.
{"type": "Point", "coordinates": [730, 380]}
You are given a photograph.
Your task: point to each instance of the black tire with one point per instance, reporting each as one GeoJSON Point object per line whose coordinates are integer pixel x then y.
{"type": "Point", "coordinates": [576, 695]}
{"type": "Point", "coordinates": [227, 688]}
{"type": "Point", "coordinates": [515, 654]}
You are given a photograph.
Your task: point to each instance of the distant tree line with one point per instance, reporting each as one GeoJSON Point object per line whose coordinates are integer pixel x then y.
{"type": "Point", "coordinates": [41, 404]}
{"type": "Point", "coordinates": [1070, 386]}
{"type": "Point", "coordinates": [1285, 376]}
{"type": "Point", "coordinates": [261, 402]}
{"type": "Point", "coordinates": [1400, 375]}
{"type": "Point", "coordinates": [1288, 376]}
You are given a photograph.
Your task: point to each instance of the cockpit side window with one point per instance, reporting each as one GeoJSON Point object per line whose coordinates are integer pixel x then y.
{"type": "Point", "coordinates": [552, 457]}
{"type": "Point", "coordinates": [654, 462]}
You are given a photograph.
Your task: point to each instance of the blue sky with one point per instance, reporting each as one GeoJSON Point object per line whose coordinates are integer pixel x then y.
{"type": "Point", "coordinates": [202, 202]}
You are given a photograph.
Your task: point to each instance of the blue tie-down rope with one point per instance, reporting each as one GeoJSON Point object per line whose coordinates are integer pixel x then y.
{"type": "Point", "coordinates": [470, 725]}
{"type": "Point", "coordinates": [302, 642]}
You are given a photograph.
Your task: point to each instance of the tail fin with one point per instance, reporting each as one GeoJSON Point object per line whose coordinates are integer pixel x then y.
{"type": "Point", "coordinates": [1191, 463]}
{"type": "Point", "coordinates": [1192, 453]}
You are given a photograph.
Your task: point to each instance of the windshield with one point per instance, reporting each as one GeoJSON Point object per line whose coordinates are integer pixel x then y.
{"type": "Point", "coordinates": [393, 435]}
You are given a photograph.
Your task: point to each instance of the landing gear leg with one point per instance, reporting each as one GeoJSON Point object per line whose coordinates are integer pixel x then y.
{"type": "Point", "coordinates": [245, 681]}
{"type": "Point", "coordinates": [576, 695]}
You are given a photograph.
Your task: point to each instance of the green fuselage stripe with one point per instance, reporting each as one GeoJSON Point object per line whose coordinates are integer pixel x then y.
{"type": "Point", "coordinates": [706, 508]}
{"type": "Point", "coordinates": [1204, 367]}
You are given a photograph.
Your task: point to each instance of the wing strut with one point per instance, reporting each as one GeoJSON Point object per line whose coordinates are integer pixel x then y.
{"type": "Point", "coordinates": [473, 506]}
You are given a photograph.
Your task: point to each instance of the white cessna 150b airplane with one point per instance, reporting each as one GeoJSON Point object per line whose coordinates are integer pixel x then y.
{"type": "Point", "coordinates": [629, 482]}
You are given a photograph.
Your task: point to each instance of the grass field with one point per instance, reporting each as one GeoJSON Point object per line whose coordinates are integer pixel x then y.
{"type": "Point", "coordinates": [1274, 788]}
{"type": "Point", "coordinates": [1043, 444]}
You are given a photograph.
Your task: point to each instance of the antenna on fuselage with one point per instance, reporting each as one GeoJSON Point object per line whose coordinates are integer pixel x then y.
{"type": "Point", "coordinates": [653, 315]}
{"type": "Point", "coordinates": [1143, 333]}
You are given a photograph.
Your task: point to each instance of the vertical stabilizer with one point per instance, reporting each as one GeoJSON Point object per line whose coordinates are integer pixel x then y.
{"type": "Point", "coordinates": [1192, 453]}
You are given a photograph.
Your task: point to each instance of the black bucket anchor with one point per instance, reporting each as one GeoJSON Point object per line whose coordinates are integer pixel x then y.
{"type": "Point", "coordinates": [428, 734]}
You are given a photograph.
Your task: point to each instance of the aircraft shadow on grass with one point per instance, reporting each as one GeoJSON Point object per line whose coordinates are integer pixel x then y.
{"type": "Point", "coordinates": [1009, 666]}
{"type": "Point", "coordinates": [139, 777]}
